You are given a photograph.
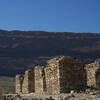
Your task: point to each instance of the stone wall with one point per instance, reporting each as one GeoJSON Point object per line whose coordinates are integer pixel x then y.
{"type": "Point", "coordinates": [28, 82]}
{"type": "Point", "coordinates": [62, 72]}
{"type": "Point", "coordinates": [72, 74]}
{"type": "Point", "coordinates": [38, 76]}
{"type": "Point", "coordinates": [57, 77]}
{"type": "Point", "coordinates": [93, 74]}
{"type": "Point", "coordinates": [19, 81]}
{"type": "Point", "coordinates": [52, 76]}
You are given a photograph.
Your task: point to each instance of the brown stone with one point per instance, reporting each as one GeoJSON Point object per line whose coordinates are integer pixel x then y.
{"type": "Point", "coordinates": [28, 82]}
{"type": "Point", "coordinates": [61, 74]}
{"type": "Point", "coordinates": [39, 79]}
{"type": "Point", "coordinates": [93, 74]}
{"type": "Point", "coordinates": [64, 74]}
{"type": "Point", "coordinates": [19, 82]}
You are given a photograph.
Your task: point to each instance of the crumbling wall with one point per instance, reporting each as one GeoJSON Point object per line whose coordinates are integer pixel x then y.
{"type": "Point", "coordinates": [72, 74]}
{"type": "Point", "coordinates": [19, 82]}
{"type": "Point", "coordinates": [93, 74]}
{"type": "Point", "coordinates": [52, 77]}
{"type": "Point", "coordinates": [60, 75]}
{"type": "Point", "coordinates": [64, 74]}
{"type": "Point", "coordinates": [39, 79]}
{"type": "Point", "coordinates": [28, 82]}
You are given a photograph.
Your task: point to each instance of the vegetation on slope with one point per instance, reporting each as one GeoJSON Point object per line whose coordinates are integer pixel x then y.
{"type": "Point", "coordinates": [7, 84]}
{"type": "Point", "coordinates": [20, 50]}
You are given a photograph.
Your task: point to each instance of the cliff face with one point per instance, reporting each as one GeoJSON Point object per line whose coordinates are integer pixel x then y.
{"type": "Point", "coordinates": [22, 49]}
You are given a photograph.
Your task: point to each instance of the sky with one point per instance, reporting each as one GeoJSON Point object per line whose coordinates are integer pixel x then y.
{"type": "Point", "coordinates": [50, 15]}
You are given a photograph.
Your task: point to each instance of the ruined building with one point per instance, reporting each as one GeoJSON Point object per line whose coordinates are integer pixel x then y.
{"type": "Point", "coordinates": [25, 83]}
{"type": "Point", "coordinates": [39, 79]}
{"type": "Point", "coordinates": [63, 74]}
{"type": "Point", "coordinates": [93, 74]}
{"type": "Point", "coordinates": [60, 75]}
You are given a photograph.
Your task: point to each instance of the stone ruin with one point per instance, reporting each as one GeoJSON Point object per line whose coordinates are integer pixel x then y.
{"type": "Point", "coordinates": [25, 83]}
{"type": "Point", "coordinates": [93, 74]}
{"type": "Point", "coordinates": [64, 74]}
{"type": "Point", "coordinates": [60, 75]}
{"type": "Point", "coordinates": [39, 79]}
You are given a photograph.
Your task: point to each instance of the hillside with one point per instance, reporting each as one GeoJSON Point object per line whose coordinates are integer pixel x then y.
{"type": "Point", "coordinates": [20, 50]}
{"type": "Point", "coordinates": [7, 84]}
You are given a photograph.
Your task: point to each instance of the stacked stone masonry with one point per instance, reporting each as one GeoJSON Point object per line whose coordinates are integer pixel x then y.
{"type": "Point", "coordinates": [28, 82]}
{"type": "Point", "coordinates": [93, 74]}
{"type": "Point", "coordinates": [38, 71]}
{"type": "Point", "coordinates": [19, 81]}
{"type": "Point", "coordinates": [61, 74]}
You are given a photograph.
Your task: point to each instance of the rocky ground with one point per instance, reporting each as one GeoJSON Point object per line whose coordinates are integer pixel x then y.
{"type": "Point", "coordinates": [87, 95]}
{"type": "Point", "coordinates": [80, 96]}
